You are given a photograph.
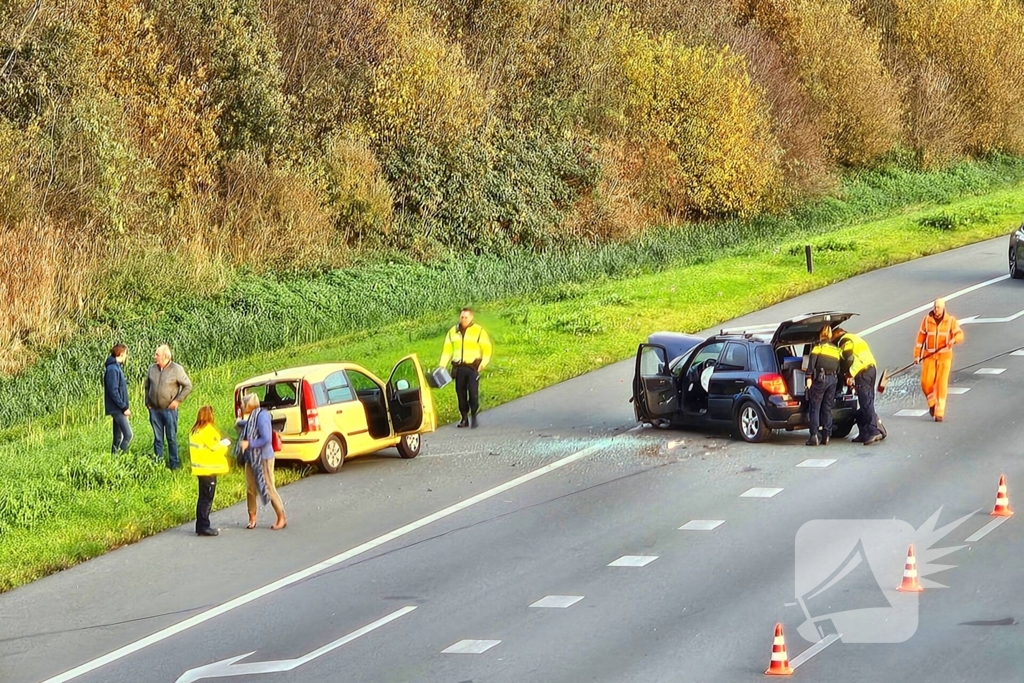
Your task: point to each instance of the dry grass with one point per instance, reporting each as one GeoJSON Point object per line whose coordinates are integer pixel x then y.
{"type": "Point", "coordinates": [47, 277]}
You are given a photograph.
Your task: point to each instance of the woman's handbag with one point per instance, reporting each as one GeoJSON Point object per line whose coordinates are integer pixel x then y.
{"type": "Point", "coordinates": [238, 454]}
{"type": "Point", "coordinates": [275, 441]}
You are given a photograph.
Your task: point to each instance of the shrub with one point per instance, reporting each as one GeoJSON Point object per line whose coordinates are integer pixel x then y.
{"type": "Point", "coordinates": [839, 60]}
{"type": "Point", "coordinates": [702, 125]}
{"type": "Point", "coordinates": [359, 200]}
{"type": "Point", "coordinates": [971, 64]}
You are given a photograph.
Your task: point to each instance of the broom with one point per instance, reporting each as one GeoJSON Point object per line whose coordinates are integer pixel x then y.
{"type": "Point", "coordinates": [886, 375]}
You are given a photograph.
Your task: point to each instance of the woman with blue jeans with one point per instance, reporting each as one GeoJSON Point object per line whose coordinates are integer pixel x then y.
{"type": "Point", "coordinates": [115, 398]}
{"type": "Point", "coordinates": [256, 444]}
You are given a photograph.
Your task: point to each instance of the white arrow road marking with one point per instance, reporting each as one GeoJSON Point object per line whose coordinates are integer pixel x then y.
{"type": "Point", "coordinates": [245, 599]}
{"type": "Point", "coordinates": [227, 667]}
{"type": "Point", "coordinates": [974, 320]}
{"type": "Point", "coordinates": [921, 309]}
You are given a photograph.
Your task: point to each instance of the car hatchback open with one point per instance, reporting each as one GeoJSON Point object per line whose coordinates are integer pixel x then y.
{"type": "Point", "coordinates": [328, 412]}
{"type": "Point", "coordinates": [751, 379]}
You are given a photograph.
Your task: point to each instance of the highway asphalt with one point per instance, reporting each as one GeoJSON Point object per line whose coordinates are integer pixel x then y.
{"type": "Point", "coordinates": [431, 570]}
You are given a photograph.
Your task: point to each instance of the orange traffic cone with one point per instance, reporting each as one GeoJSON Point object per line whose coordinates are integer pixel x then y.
{"type": "Point", "coordinates": [910, 584]}
{"type": "Point", "coordinates": [1002, 508]}
{"type": "Point", "coordinates": [780, 660]}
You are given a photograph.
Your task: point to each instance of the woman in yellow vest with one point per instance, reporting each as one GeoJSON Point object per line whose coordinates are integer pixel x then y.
{"type": "Point", "coordinates": [208, 451]}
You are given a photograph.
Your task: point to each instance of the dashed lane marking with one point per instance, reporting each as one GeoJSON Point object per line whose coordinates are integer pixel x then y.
{"type": "Point", "coordinates": [759, 492]}
{"type": "Point", "coordinates": [702, 525]}
{"type": "Point", "coordinates": [985, 530]}
{"type": "Point", "coordinates": [470, 647]}
{"type": "Point", "coordinates": [814, 649]}
{"type": "Point", "coordinates": [989, 371]}
{"type": "Point", "coordinates": [302, 574]}
{"type": "Point", "coordinates": [817, 462]}
{"type": "Point", "coordinates": [912, 412]}
{"type": "Point", "coordinates": [958, 390]}
{"type": "Point", "coordinates": [557, 601]}
{"type": "Point", "coordinates": [633, 561]}
{"type": "Point", "coordinates": [1018, 352]}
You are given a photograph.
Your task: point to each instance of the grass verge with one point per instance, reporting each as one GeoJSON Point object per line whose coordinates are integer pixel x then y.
{"type": "Point", "coordinates": [63, 499]}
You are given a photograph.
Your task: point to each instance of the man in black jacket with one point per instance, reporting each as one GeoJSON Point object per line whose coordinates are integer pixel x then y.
{"type": "Point", "coordinates": [115, 398]}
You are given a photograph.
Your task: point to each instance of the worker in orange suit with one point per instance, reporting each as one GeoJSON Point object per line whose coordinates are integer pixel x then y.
{"type": "Point", "coordinates": [934, 350]}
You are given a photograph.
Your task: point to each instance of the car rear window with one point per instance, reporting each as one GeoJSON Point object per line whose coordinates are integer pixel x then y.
{"type": "Point", "coordinates": [765, 358]}
{"type": "Point", "coordinates": [276, 395]}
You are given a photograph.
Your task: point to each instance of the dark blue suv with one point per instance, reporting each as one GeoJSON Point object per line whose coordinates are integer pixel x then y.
{"type": "Point", "coordinates": [751, 380]}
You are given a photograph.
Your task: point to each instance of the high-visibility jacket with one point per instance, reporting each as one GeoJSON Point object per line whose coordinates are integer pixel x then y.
{"type": "Point", "coordinates": [208, 453]}
{"type": "Point", "coordinates": [467, 346]}
{"type": "Point", "coordinates": [937, 336]}
{"type": "Point", "coordinates": [856, 353]}
{"type": "Point", "coordinates": [824, 358]}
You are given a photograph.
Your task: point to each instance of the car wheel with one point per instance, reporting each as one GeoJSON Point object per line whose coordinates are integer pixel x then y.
{"type": "Point", "coordinates": [841, 430]}
{"type": "Point", "coordinates": [332, 457]}
{"type": "Point", "coordinates": [409, 446]}
{"type": "Point", "coordinates": [750, 423]}
{"type": "Point", "coordinates": [1015, 272]}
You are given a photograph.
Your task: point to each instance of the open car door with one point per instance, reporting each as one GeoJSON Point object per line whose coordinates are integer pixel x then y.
{"type": "Point", "coordinates": [654, 391]}
{"type": "Point", "coordinates": [410, 403]}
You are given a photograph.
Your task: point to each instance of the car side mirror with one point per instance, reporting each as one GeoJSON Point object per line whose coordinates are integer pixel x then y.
{"type": "Point", "coordinates": [402, 384]}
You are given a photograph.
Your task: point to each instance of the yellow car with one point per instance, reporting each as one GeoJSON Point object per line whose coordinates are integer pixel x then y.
{"type": "Point", "coordinates": [328, 412]}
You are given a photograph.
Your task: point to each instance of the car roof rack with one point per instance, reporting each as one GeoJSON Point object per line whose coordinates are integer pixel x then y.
{"type": "Point", "coordinates": [758, 332]}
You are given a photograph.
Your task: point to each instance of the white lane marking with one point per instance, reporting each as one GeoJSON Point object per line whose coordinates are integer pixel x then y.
{"type": "Point", "coordinates": [985, 530]}
{"type": "Point", "coordinates": [817, 462]}
{"type": "Point", "coordinates": [245, 599]}
{"type": "Point", "coordinates": [1018, 352]}
{"type": "Point", "coordinates": [633, 561]}
{"type": "Point", "coordinates": [958, 390]}
{"type": "Point", "coordinates": [470, 647]}
{"type": "Point", "coordinates": [702, 525]}
{"type": "Point", "coordinates": [759, 492]}
{"type": "Point", "coordinates": [227, 667]}
{"type": "Point", "coordinates": [814, 649]}
{"type": "Point", "coordinates": [912, 412]}
{"type": "Point", "coordinates": [989, 371]}
{"type": "Point", "coordinates": [925, 307]}
{"type": "Point", "coordinates": [557, 601]}
{"type": "Point", "coordinates": [1006, 319]}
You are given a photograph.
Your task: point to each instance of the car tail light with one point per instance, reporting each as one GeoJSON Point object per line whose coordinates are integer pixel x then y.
{"type": "Point", "coordinates": [772, 383]}
{"type": "Point", "coordinates": [238, 404]}
{"type": "Point", "coordinates": [309, 403]}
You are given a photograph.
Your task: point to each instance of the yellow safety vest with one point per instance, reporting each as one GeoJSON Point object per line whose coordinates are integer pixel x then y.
{"type": "Point", "coordinates": [856, 349]}
{"type": "Point", "coordinates": [209, 456]}
{"type": "Point", "coordinates": [466, 347]}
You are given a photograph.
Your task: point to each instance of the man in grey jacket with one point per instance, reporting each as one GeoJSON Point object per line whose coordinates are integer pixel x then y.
{"type": "Point", "coordinates": [167, 386]}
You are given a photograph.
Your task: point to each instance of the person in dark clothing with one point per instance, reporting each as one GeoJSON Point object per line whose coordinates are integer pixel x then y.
{"type": "Point", "coordinates": [115, 398]}
{"type": "Point", "coordinates": [822, 369]}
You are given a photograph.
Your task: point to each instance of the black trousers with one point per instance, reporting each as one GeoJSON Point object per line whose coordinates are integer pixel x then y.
{"type": "Point", "coordinates": [867, 419]}
{"type": "Point", "coordinates": [822, 398]}
{"type": "Point", "coordinates": [467, 388]}
{"type": "Point", "coordinates": [207, 489]}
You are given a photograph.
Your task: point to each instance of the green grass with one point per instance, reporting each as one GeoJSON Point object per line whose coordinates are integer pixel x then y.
{"type": "Point", "coordinates": [261, 314]}
{"type": "Point", "coordinates": [63, 499]}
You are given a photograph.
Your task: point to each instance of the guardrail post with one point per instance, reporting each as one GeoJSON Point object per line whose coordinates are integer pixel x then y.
{"type": "Point", "coordinates": [810, 259]}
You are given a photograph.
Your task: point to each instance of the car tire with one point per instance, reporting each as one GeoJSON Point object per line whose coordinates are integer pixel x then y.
{"type": "Point", "coordinates": [409, 446]}
{"type": "Point", "coordinates": [840, 430]}
{"type": "Point", "coordinates": [332, 456]}
{"type": "Point", "coordinates": [749, 423]}
{"type": "Point", "coordinates": [1015, 272]}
